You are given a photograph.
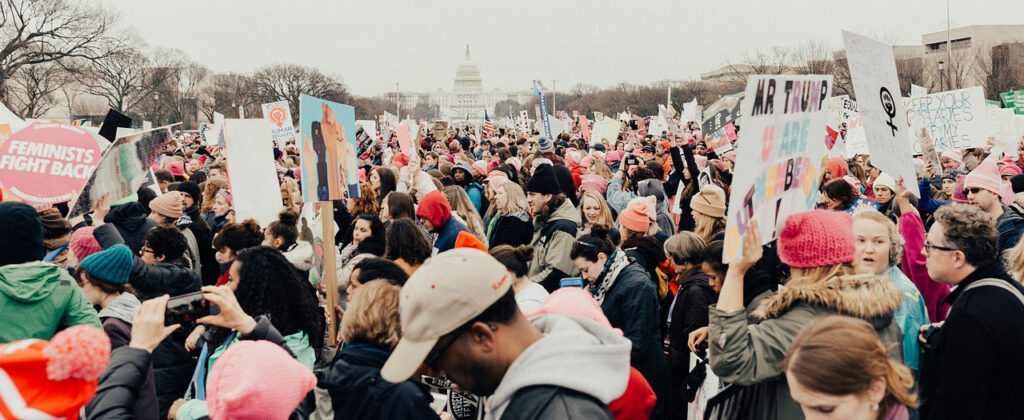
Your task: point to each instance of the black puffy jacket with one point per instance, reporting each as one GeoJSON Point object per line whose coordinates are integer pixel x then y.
{"type": "Point", "coordinates": [548, 402]}
{"type": "Point", "coordinates": [357, 390]}
{"type": "Point", "coordinates": [119, 385]}
{"type": "Point", "coordinates": [132, 224]}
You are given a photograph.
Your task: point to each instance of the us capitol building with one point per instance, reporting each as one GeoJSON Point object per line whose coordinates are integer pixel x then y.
{"type": "Point", "coordinates": [467, 100]}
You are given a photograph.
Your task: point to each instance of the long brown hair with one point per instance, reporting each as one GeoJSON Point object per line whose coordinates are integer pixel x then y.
{"type": "Point", "coordinates": [213, 186]}
{"type": "Point", "coordinates": [366, 203]}
{"type": "Point", "coordinates": [839, 355]}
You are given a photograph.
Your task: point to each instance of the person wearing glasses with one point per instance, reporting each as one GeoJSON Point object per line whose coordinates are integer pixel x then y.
{"type": "Point", "coordinates": [983, 187]}
{"type": "Point", "coordinates": [972, 365]}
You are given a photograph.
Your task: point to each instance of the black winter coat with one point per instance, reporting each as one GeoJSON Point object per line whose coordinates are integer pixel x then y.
{"type": "Point", "coordinates": [358, 392]}
{"type": "Point", "coordinates": [685, 313]}
{"type": "Point", "coordinates": [172, 364]}
{"type": "Point", "coordinates": [132, 224]}
{"type": "Point", "coordinates": [120, 334]}
{"type": "Point", "coordinates": [515, 229]}
{"type": "Point", "coordinates": [120, 383]}
{"type": "Point", "coordinates": [546, 402]}
{"type": "Point", "coordinates": [204, 240]}
{"type": "Point", "coordinates": [973, 368]}
{"type": "Point", "coordinates": [631, 305]}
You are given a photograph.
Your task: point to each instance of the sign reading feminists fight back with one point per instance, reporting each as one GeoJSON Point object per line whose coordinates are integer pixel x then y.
{"type": "Point", "coordinates": [779, 155]}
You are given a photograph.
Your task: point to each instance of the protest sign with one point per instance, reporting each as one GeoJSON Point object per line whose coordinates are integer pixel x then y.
{"type": "Point", "coordinates": [721, 139]}
{"type": "Point", "coordinates": [279, 114]}
{"type": "Point", "coordinates": [5, 132]}
{"type": "Point", "coordinates": [47, 163]}
{"type": "Point", "coordinates": [209, 134]}
{"type": "Point", "coordinates": [689, 112]}
{"type": "Point", "coordinates": [9, 118]}
{"type": "Point", "coordinates": [780, 154]}
{"type": "Point", "coordinates": [725, 110]}
{"type": "Point", "coordinates": [848, 113]}
{"type": "Point", "coordinates": [955, 119]}
{"type": "Point", "coordinates": [112, 122]}
{"type": "Point", "coordinates": [123, 168]}
{"type": "Point", "coordinates": [369, 127]}
{"type": "Point", "coordinates": [584, 127]}
{"type": "Point", "coordinates": [916, 90]}
{"type": "Point", "coordinates": [249, 154]}
{"type": "Point", "coordinates": [1015, 100]}
{"type": "Point", "coordinates": [873, 69]}
{"type": "Point", "coordinates": [1004, 129]}
{"type": "Point", "coordinates": [610, 130]}
{"type": "Point", "coordinates": [403, 138]}
{"type": "Point", "coordinates": [328, 150]}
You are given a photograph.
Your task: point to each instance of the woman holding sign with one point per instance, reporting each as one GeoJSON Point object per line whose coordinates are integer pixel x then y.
{"type": "Point", "coordinates": [819, 247]}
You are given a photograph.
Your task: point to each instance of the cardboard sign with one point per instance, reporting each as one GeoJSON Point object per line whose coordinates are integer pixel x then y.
{"type": "Point", "coordinates": [123, 168]}
{"type": "Point", "coordinates": [721, 139]}
{"type": "Point", "coordinates": [329, 148]}
{"type": "Point", "coordinates": [780, 156]}
{"type": "Point", "coordinates": [47, 163]}
{"type": "Point", "coordinates": [955, 119]}
{"type": "Point", "coordinates": [873, 71]}
{"type": "Point", "coordinates": [279, 114]}
{"type": "Point", "coordinates": [250, 161]}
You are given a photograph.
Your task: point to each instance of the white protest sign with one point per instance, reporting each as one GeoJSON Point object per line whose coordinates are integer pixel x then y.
{"type": "Point", "coordinates": [8, 117]}
{"type": "Point", "coordinates": [250, 161]}
{"type": "Point", "coordinates": [1004, 129]}
{"type": "Point", "coordinates": [955, 119]}
{"type": "Point", "coordinates": [780, 154]}
{"type": "Point", "coordinates": [689, 112]}
{"type": "Point", "coordinates": [280, 114]}
{"type": "Point", "coordinates": [916, 90]}
{"type": "Point", "coordinates": [369, 127]}
{"type": "Point", "coordinates": [873, 71]}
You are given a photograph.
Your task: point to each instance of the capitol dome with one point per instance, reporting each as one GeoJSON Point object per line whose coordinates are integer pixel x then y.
{"type": "Point", "coordinates": [467, 77]}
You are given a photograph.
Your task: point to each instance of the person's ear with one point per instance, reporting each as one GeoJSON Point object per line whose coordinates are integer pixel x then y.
{"type": "Point", "coordinates": [483, 336]}
{"type": "Point", "coordinates": [876, 392]}
{"type": "Point", "coordinates": [159, 258]}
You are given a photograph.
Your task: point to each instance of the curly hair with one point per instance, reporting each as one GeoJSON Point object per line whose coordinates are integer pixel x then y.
{"type": "Point", "coordinates": [167, 241]}
{"type": "Point", "coordinates": [971, 231]}
{"type": "Point", "coordinates": [366, 203]}
{"type": "Point", "coordinates": [212, 187]}
{"type": "Point", "coordinates": [372, 316]}
{"type": "Point", "coordinates": [268, 285]}
{"type": "Point", "coordinates": [239, 236]}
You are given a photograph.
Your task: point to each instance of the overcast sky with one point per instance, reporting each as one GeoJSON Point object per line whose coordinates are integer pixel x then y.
{"type": "Point", "coordinates": [373, 44]}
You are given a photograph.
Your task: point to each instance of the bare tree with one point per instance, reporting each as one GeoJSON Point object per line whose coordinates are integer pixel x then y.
{"type": "Point", "coordinates": [995, 67]}
{"type": "Point", "coordinates": [225, 93]}
{"type": "Point", "coordinates": [288, 81]}
{"type": "Point", "coordinates": [32, 91]}
{"type": "Point", "coordinates": [910, 71]}
{"type": "Point", "coordinates": [34, 32]}
{"type": "Point", "coordinates": [814, 57]}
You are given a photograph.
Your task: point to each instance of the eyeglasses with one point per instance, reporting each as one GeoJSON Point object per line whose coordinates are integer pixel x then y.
{"type": "Point", "coordinates": [928, 248]}
{"type": "Point", "coordinates": [144, 250]}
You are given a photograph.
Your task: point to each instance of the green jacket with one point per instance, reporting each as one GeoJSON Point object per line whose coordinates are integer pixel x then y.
{"type": "Point", "coordinates": [38, 299]}
{"type": "Point", "coordinates": [748, 354]}
{"type": "Point", "coordinates": [552, 243]}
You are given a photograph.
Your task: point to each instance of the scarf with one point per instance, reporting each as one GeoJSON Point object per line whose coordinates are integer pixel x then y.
{"type": "Point", "coordinates": [599, 288]}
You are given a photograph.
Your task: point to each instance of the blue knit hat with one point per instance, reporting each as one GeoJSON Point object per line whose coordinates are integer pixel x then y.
{"type": "Point", "coordinates": [111, 265]}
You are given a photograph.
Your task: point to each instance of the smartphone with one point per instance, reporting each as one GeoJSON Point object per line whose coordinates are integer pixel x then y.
{"type": "Point", "coordinates": [571, 282]}
{"type": "Point", "coordinates": [187, 308]}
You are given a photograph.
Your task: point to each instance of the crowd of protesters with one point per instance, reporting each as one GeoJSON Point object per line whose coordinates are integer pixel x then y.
{"type": "Point", "coordinates": [507, 275]}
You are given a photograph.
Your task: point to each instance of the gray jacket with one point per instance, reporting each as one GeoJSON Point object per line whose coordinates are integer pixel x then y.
{"type": "Point", "coordinates": [552, 243]}
{"type": "Point", "coordinates": [746, 354]}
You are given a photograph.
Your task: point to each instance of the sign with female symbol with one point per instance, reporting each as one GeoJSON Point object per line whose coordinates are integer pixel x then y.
{"type": "Point", "coordinates": [279, 113]}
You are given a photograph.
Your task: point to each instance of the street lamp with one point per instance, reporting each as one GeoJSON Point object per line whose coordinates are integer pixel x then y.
{"type": "Point", "coordinates": [942, 77]}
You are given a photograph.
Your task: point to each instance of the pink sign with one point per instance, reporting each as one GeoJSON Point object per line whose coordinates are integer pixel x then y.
{"type": "Point", "coordinates": [403, 138]}
{"type": "Point", "coordinates": [584, 127]}
{"type": "Point", "coordinates": [48, 163]}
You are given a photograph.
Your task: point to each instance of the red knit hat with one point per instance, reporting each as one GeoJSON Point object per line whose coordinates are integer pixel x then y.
{"type": "Point", "coordinates": [435, 208]}
{"type": "Point", "coordinates": [817, 238]}
{"type": "Point", "coordinates": [636, 215]}
{"type": "Point", "coordinates": [838, 167]}
{"type": "Point", "coordinates": [54, 378]}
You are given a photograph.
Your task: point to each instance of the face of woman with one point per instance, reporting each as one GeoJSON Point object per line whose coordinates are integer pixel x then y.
{"type": "Point", "coordinates": [220, 206]}
{"type": "Point", "coordinates": [948, 185]}
{"type": "Point", "coordinates": [374, 180]}
{"type": "Point", "coordinates": [362, 230]}
{"type": "Point", "coordinates": [949, 164]}
{"type": "Point", "coordinates": [225, 255]}
{"type": "Point", "coordinates": [385, 212]}
{"type": "Point", "coordinates": [830, 204]}
{"type": "Point", "coordinates": [501, 198]}
{"type": "Point", "coordinates": [822, 406]}
{"type": "Point", "coordinates": [234, 275]}
{"type": "Point", "coordinates": [873, 245]}
{"type": "Point", "coordinates": [591, 210]}
{"type": "Point", "coordinates": [590, 270]}
{"type": "Point", "coordinates": [91, 292]}
{"type": "Point", "coordinates": [714, 278]}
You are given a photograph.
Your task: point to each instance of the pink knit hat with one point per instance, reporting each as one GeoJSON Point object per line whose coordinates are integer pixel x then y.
{"type": "Point", "coordinates": [514, 161]}
{"type": "Point", "coordinates": [637, 215]}
{"type": "Point", "coordinates": [227, 196]}
{"type": "Point", "coordinates": [574, 302]}
{"type": "Point", "coordinates": [83, 244]}
{"type": "Point", "coordinates": [613, 156]}
{"type": "Point", "coordinates": [168, 205]}
{"type": "Point", "coordinates": [496, 183]}
{"type": "Point", "coordinates": [176, 168]}
{"type": "Point", "coordinates": [985, 176]}
{"type": "Point", "coordinates": [1010, 169]}
{"type": "Point", "coordinates": [592, 182]}
{"type": "Point", "coordinates": [480, 167]}
{"type": "Point", "coordinates": [817, 238]}
{"type": "Point", "coordinates": [257, 380]}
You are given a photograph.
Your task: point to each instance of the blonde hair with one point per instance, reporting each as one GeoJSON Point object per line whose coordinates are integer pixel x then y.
{"type": "Point", "coordinates": [372, 315]}
{"type": "Point", "coordinates": [812, 275]}
{"type": "Point", "coordinates": [1015, 261]}
{"type": "Point", "coordinates": [516, 200]}
{"type": "Point", "coordinates": [291, 187]}
{"type": "Point", "coordinates": [708, 226]}
{"type": "Point", "coordinates": [461, 205]}
{"type": "Point", "coordinates": [601, 169]}
{"type": "Point", "coordinates": [604, 215]}
{"type": "Point", "coordinates": [839, 355]}
{"type": "Point", "coordinates": [896, 240]}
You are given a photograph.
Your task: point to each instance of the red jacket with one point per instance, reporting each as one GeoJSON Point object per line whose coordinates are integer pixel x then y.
{"type": "Point", "coordinates": [638, 400]}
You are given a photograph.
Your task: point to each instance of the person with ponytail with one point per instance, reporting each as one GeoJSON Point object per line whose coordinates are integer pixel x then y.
{"type": "Point", "coordinates": [837, 368]}
{"type": "Point", "coordinates": [629, 299]}
{"type": "Point", "coordinates": [529, 295]}
{"type": "Point", "coordinates": [283, 235]}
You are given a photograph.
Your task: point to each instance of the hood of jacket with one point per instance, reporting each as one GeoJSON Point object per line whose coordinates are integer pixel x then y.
{"type": "Point", "coordinates": [130, 217]}
{"type": "Point", "coordinates": [566, 211]}
{"type": "Point", "coordinates": [435, 208]}
{"type": "Point", "coordinates": [30, 282]}
{"type": "Point", "coordinates": [122, 307]}
{"type": "Point", "coordinates": [870, 297]}
{"type": "Point", "coordinates": [300, 255]}
{"type": "Point", "coordinates": [568, 343]}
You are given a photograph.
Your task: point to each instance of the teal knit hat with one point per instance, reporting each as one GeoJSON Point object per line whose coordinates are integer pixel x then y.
{"type": "Point", "coordinates": [111, 265]}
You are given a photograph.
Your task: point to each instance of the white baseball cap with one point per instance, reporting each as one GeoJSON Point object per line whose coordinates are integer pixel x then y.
{"type": "Point", "coordinates": [446, 292]}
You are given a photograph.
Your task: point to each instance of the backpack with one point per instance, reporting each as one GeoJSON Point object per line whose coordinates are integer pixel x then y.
{"type": "Point", "coordinates": [484, 203]}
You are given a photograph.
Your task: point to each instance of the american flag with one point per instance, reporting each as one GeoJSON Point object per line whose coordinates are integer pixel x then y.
{"type": "Point", "coordinates": [488, 125]}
